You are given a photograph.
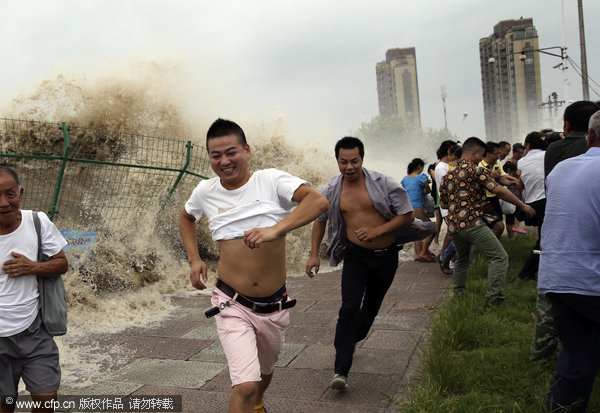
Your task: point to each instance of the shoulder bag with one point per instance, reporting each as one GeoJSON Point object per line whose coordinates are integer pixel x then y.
{"type": "Point", "coordinates": [53, 297]}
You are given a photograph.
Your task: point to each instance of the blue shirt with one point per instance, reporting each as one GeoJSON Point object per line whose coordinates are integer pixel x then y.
{"type": "Point", "coordinates": [570, 259]}
{"type": "Point", "coordinates": [415, 187]}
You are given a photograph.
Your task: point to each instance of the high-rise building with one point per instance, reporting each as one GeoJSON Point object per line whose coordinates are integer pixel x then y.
{"type": "Point", "coordinates": [511, 81]}
{"type": "Point", "coordinates": [397, 85]}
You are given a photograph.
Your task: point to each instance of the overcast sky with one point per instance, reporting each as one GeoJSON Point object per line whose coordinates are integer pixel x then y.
{"type": "Point", "coordinates": [309, 63]}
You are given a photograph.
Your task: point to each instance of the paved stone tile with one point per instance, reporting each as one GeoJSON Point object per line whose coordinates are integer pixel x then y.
{"type": "Point", "coordinates": [290, 405]}
{"type": "Point", "coordinates": [371, 389]}
{"type": "Point", "coordinates": [105, 388]}
{"type": "Point", "coordinates": [192, 314]}
{"type": "Point", "coordinates": [392, 339]}
{"type": "Point", "coordinates": [315, 357]}
{"type": "Point", "coordinates": [203, 332]}
{"type": "Point", "coordinates": [380, 361]}
{"type": "Point", "coordinates": [305, 384]}
{"type": "Point", "coordinates": [168, 328]}
{"type": "Point", "coordinates": [159, 347]}
{"type": "Point", "coordinates": [213, 353]}
{"type": "Point", "coordinates": [193, 401]}
{"type": "Point", "coordinates": [319, 319]}
{"type": "Point", "coordinates": [395, 319]}
{"type": "Point", "coordinates": [200, 301]}
{"type": "Point", "coordinates": [310, 334]}
{"type": "Point", "coordinates": [172, 373]}
{"type": "Point", "coordinates": [328, 306]}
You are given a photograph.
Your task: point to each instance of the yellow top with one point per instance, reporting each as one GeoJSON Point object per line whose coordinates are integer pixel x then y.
{"type": "Point", "coordinates": [497, 165]}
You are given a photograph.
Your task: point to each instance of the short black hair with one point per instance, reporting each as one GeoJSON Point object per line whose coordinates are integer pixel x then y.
{"type": "Point", "coordinates": [414, 165]}
{"type": "Point", "coordinates": [578, 114]}
{"type": "Point", "coordinates": [517, 147]}
{"type": "Point", "coordinates": [509, 167]}
{"type": "Point", "coordinates": [224, 127]}
{"type": "Point", "coordinates": [490, 147]}
{"type": "Point", "coordinates": [5, 170]}
{"type": "Point", "coordinates": [503, 144]}
{"type": "Point", "coordinates": [471, 144]}
{"type": "Point", "coordinates": [536, 140]}
{"type": "Point", "coordinates": [349, 142]}
{"type": "Point", "coordinates": [447, 147]}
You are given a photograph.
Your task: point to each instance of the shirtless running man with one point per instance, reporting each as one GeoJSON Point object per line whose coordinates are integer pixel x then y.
{"type": "Point", "coordinates": [249, 215]}
{"type": "Point", "coordinates": [367, 210]}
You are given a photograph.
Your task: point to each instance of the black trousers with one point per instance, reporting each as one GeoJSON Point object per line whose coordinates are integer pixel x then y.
{"type": "Point", "coordinates": [531, 265]}
{"type": "Point", "coordinates": [365, 281]}
{"type": "Point", "coordinates": [577, 320]}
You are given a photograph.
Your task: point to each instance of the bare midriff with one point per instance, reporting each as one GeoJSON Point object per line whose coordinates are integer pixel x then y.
{"type": "Point", "coordinates": [359, 212]}
{"type": "Point", "coordinates": [258, 272]}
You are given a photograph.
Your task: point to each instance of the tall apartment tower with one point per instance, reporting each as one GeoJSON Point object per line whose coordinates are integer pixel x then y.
{"type": "Point", "coordinates": [511, 81]}
{"type": "Point", "coordinates": [397, 85]}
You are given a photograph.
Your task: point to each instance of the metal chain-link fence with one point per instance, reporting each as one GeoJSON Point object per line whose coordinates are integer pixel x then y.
{"type": "Point", "coordinates": [93, 178]}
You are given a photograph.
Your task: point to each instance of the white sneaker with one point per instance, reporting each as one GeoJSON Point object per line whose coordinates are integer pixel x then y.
{"type": "Point", "coordinates": [339, 383]}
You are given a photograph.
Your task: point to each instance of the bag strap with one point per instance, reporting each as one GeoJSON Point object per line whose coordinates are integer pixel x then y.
{"type": "Point", "coordinates": [36, 224]}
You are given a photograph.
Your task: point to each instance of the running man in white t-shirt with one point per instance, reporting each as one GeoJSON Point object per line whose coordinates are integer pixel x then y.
{"type": "Point", "coordinates": [249, 215]}
{"type": "Point", "coordinates": [27, 351]}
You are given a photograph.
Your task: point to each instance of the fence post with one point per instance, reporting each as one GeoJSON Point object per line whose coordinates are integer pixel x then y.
{"type": "Point", "coordinates": [62, 171]}
{"type": "Point", "coordinates": [181, 172]}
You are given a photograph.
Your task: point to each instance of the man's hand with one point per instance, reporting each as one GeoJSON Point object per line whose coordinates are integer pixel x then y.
{"type": "Point", "coordinates": [198, 273]}
{"type": "Point", "coordinates": [366, 234]}
{"type": "Point", "coordinates": [257, 236]}
{"type": "Point", "coordinates": [528, 210]}
{"type": "Point", "coordinates": [496, 173]}
{"type": "Point", "coordinates": [313, 262]}
{"type": "Point", "coordinates": [19, 266]}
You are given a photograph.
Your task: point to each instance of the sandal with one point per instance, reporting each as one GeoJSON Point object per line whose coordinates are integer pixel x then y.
{"type": "Point", "coordinates": [424, 259]}
{"type": "Point", "coordinates": [444, 266]}
{"type": "Point", "coordinates": [430, 254]}
{"type": "Point", "coordinates": [518, 230]}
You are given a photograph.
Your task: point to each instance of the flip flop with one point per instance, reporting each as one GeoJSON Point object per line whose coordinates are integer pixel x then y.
{"type": "Point", "coordinates": [444, 266]}
{"type": "Point", "coordinates": [519, 230]}
{"type": "Point", "coordinates": [424, 259]}
{"type": "Point", "coordinates": [430, 254]}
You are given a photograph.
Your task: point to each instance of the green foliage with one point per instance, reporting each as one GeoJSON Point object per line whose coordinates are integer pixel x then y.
{"type": "Point", "coordinates": [478, 359]}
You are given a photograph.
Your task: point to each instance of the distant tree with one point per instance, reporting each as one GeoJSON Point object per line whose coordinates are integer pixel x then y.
{"type": "Point", "coordinates": [393, 140]}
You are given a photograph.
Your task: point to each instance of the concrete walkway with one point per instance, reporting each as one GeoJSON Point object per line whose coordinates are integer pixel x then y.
{"type": "Point", "coordinates": [182, 356]}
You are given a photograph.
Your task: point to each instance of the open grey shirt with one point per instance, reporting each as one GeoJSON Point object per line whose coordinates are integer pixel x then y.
{"type": "Point", "coordinates": [388, 197]}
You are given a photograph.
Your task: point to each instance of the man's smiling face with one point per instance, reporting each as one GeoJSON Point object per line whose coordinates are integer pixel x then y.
{"type": "Point", "coordinates": [229, 160]}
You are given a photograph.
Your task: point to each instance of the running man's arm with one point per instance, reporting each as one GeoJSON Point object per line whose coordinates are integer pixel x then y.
{"type": "Point", "coordinates": [311, 204]}
{"type": "Point", "coordinates": [318, 232]}
{"type": "Point", "coordinates": [367, 234]}
{"type": "Point", "coordinates": [508, 196]}
{"type": "Point", "coordinates": [198, 269]}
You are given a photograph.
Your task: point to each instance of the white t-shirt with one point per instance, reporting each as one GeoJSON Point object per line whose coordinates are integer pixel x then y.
{"type": "Point", "coordinates": [441, 169]}
{"type": "Point", "coordinates": [263, 201]}
{"type": "Point", "coordinates": [532, 175]}
{"type": "Point", "coordinates": [19, 296]}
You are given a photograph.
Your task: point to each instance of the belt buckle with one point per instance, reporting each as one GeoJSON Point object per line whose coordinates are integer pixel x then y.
{"type": "Point", "coordinates": [379, 252]}
{"type": "Point", "coordinates": [256, 305]}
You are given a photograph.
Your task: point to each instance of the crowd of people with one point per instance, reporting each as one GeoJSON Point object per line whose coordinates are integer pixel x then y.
{"type": "Point", "coordinates": [477, 192]}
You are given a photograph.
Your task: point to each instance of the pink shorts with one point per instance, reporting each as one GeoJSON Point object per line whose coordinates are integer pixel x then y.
{"type": "Point", "coordinates": [252, 342]}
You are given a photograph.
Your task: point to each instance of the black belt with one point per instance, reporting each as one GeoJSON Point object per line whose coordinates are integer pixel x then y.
{"type": "Point", "coordinates": [379, 252]}
{"type": "Point", "coordinates": [261, 308]}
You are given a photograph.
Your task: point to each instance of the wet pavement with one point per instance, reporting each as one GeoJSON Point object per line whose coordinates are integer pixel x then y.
{"type": "Point", "coordinates": [182, 355]}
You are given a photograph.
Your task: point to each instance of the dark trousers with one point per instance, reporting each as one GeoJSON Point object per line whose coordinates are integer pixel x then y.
{"type": "Point", "coordinates": [531, 265]}
{"type": "Point", "coordinates": [365, 281]}
{"type": "Point", "coordinates": [577, 320]}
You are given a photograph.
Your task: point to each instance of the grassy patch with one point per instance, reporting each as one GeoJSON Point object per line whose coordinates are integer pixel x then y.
{"type": "Point", "coordinates": [478, 359]}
